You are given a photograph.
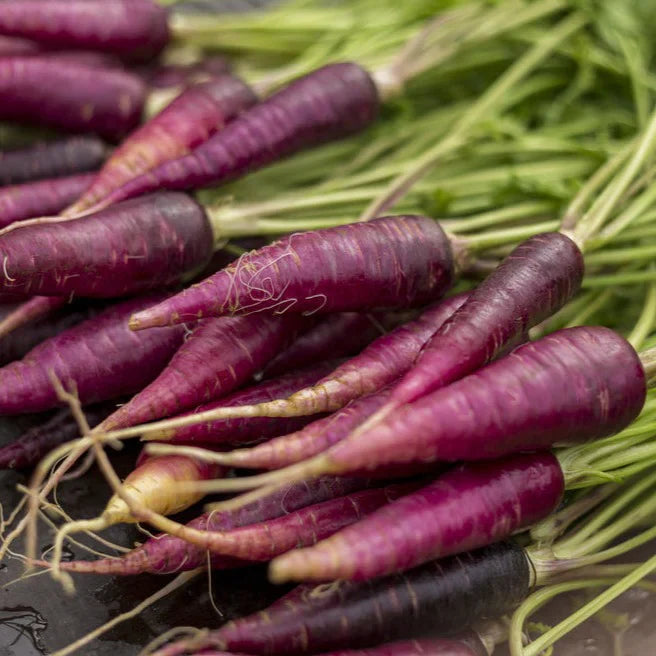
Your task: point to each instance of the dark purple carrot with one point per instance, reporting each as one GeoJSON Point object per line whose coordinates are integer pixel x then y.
{"type": "Point", "coordinates": [142, 244]}
{"type": "Point", "coordinates": [336, 336]}
{"type": "Point", "coordinates": [255, 429]}
{"type": "Point", "coordinates": [188, 121]}
{"type": "Point", "coordinates": [38, 441]}
{"type": "Point", "coordinates": [218, 356]}
{"type": "Point", "coordinates": [396, 261]}
{"type": "Point", "coordinates": [468, 507]}
{"type": "Point", "coordinates": [35, 308]}
{"type": "Point", "coordinates": [330, 103]}
{"type": "Point", "coordinates": [131, 29]}
{"type": "Point", "coordinates": [99, 358]}
{"type": "Point", "coordinates": [41, 198]}
{"type": "Point", "coordinates": [381, 363]}
{"type": "Point", "coordinates": [69, 95]}
{"type": "Point", "coordinates": [166, 554]}
{"type": "Point", "coordinates": [53, 159]}
{"type": "Point", "coordinates": [164, 76]}
{"type": "Point", "coordinates": [444, 596]}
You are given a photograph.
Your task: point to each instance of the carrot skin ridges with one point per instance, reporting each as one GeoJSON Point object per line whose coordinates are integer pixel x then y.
{"type": "Point", "coordinates": [444, 596]}
{"type": "Point", "coordinates": [100, 357]}
{"type": "Point", "coordinates": [188, 121]}
{"type": "Point", "coordinates": [338, 335]}
{"type": "Point", "coordinates": [575, 385]}
{"type": "Point", "coordinates": [132, 29]}
{"type": "Point", "coordinates": [345, 268]}
{"type": "Point", "coordinates": [466, 508]}
{"type": "Point", "coordinates": [330, 103]}
{"type": "Point", "coordinates": [63, 157]}
{"type": "Point", "coordinates": [142, 244]}
{"type": "Point", "coordinates": [220, 355]}
{"type": "Point", "coordinates": [165, 554]}
{"type": "Point", "coordinates": [250, 429]}
{"type": "Point", "coordinates": [40, 198]}
{"type": "Point", "coordinates": [538, 278]}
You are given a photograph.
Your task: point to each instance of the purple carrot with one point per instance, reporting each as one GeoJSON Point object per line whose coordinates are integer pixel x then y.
{"type": "Point", "coordinates": [142, 244]}
{"type": "Point", "coordinates": [165, 76]}
{"type": "Point", "coordinates": [70, 96]}
{"type": "Point", "coordinates": [38, 441]}
{"type": "Point", "coordinates": [53, 159]}
{"type": "Point", "coordinates": [336, 336]}
{"type": "Point", "coordinates": [131, 29]}
{"type": "Point", "coordinates": [378, 365]}
{"type": "Point", "coordinates": [468, 507]}
{"type": "Point", "coordinates": [188, 121]}
{"type": "Point", "coordinates": [33, 309]}
{"type": "Point", "coordinates": [330, 103]}
{"type": "Point", "coordinates": [255, 429]}
{"type": "Point", "coordinates": [100, 358]}
{"type": "Point", "coordinates": [538, 278]}
{"type": "Point", "coordinates": [220, 355]}
{"type": "Point", "coordinates": [574, 385]}
{"type": "Point", "coordinates": [396, 261]}
{"type": "Point", "coordinates": [444, 596]}
{"type": "Point", "coordinates": [166, 554]}
{"type": "Point", "coordinates": [42, 198]}
{"type": "Point", "coordinates": [10, 45]}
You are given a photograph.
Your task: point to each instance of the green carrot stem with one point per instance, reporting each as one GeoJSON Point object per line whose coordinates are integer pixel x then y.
{"type": "Point", "coordinates": [647, 319]}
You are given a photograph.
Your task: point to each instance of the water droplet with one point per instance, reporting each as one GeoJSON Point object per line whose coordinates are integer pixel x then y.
{"type": "Point", "coordinates": [20, 631]}
{"type": "Point", "coordinates": [46, 553]}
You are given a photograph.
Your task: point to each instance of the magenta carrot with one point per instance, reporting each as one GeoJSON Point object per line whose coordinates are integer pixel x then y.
{"type": "Point", "coordinates": [538, 278]}
{"type": "Point", "coordinates": [69, 95]}
{"type": "Point", "coordinates": [397, 261]}
{"type": "Point", "coordinates": [378, 365]}
{"type": "Point", "coordinates": [53, 159]}
{"type": "Point", "coordinates": [142, 244]}
{"type": "Point", "coordinates": [41, 198]}
{"type": "Point", "coordinates": [35, 443]}
{"type": "Point", "coordinates": [132, 29]}
{"type": "Point", "coordinates": [254, 429]}
{"type": "Point", "coordinates": [466, 508]}
{"type": "Point", "coordinates": [220, 355]}
{"type": "Point", "coordinates": [10, 45]}
{"type": "Point", "coordinates": [100, 358]}
{"type": "Point", "coordinates": [336, 336]}
{"type": "Point", "coordinates": [444, 596]}
{"type": "Point", "coordinates": [166, 554]}
{"type": "Point", "coordinates": [36, 307]}
{"type": "Point", "coordinates": [330, 103]}
{"type": "Point", "coordinates": [188, 121]}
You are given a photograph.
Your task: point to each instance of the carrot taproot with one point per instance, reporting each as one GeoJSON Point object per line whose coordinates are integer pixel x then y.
{"type": "Point", "coordinates": [396, 261]}
{"type": "Point", "coordinates": [54, 159]}
{"type": "Point", "coordinates": [468, 507]}
{"type": "Point", "coordinates": [338, 335]}
{"type": "Point", "coordinates": [10, 45]}
{"type": "Point", "coordinates": [165, 553]}
{"type": "Point", "coordinates": [444, 596]}
{"type": "Point", "coordinates": [40, 198]}
{"type": "Point", "coordinates": [574, 385]}
{"type": "Point", "coordinates": [131, 29]}
{"type": "Point", "coordinates": [31, 446]}
{"type": "Point", "coordinates": [382, 362]}
{"type": "Point", "coordinates": [100, 357]}
{"type": "Point", "coordinates": [33, 309]}
{"type": "Point", "coordinates": [330, 103]}
{"type": "Point", "coordinates": [255, 429]}
{"type": "Point", "coordinates": [164, 76]}
{"type": "Point", "coordinates": [196, 114]}
{"type": "Point", "coordinates": [219, 355]}
{"type": "Point", "coordinates": [142, 244]}
{"type": "Point", "coordinates": [70, 96]}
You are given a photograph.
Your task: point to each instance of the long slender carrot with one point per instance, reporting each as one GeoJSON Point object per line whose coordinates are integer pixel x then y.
{"type": "Point", "coordinates": [36, 307]}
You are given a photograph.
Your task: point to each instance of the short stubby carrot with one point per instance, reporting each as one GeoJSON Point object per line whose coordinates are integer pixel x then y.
{"type": "Point", "coordinates": [142, 244]}
{"type": "Point", "coordinates": [468, 507]}
{"type": "Point", "coordinates": [390, 262]}
{"type": "Point", "coordinates": [329, 103]}
{"type": "Point", "coordinates": [99, 358]}
{"type": "Point", "coordinates": [189, 120]}
{"type": "Point", "coordinates": [53, 159]}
